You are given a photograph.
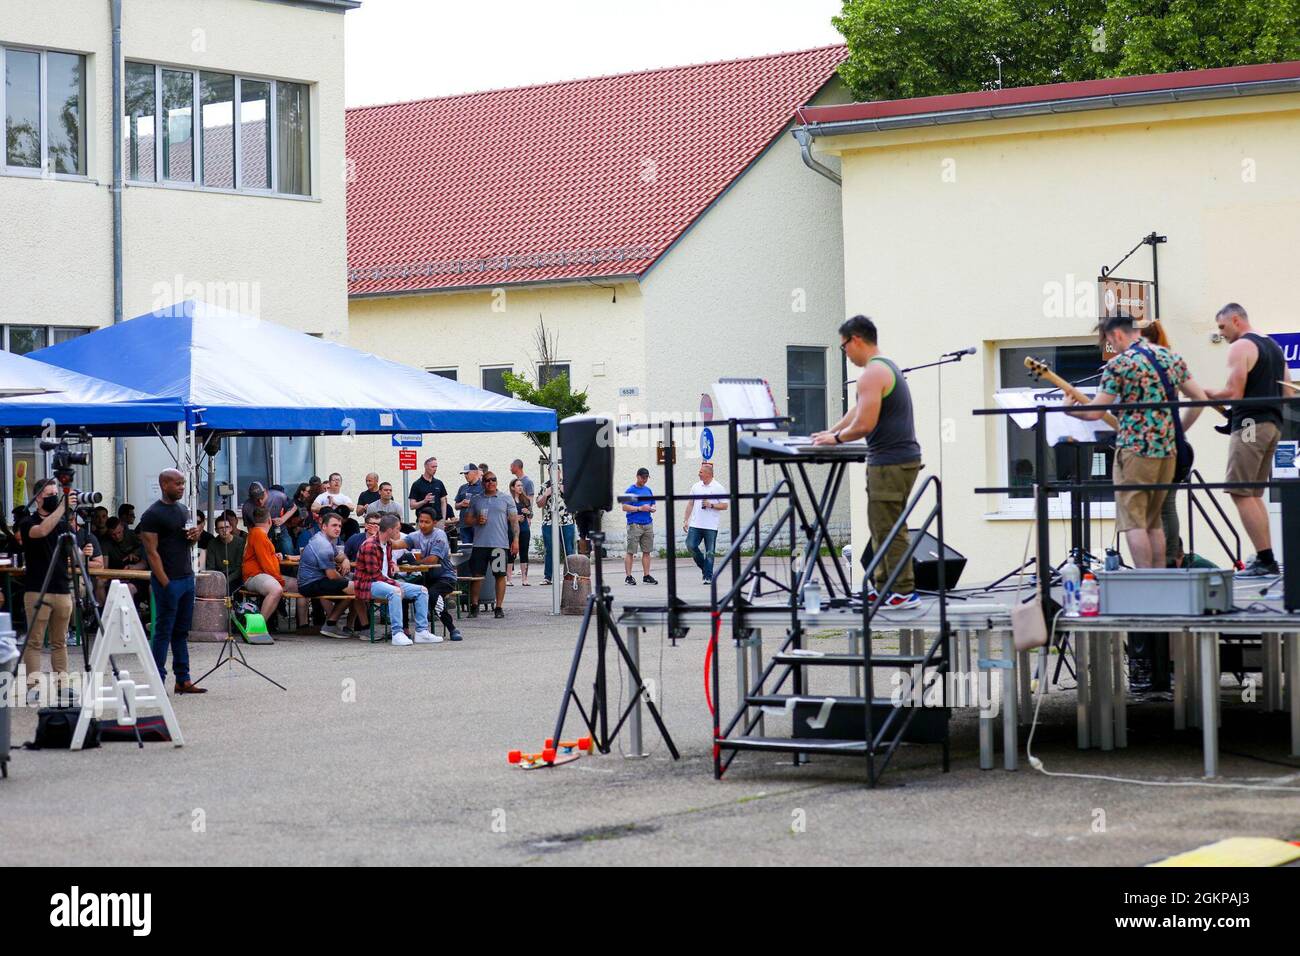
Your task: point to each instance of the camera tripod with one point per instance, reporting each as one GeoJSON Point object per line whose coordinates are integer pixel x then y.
{"type": "Point", "coordinates": [599, 603]}
{"type": "Point", "coordinates": [232, 653]}
{"type": "Point", "coordinates": [83, 601]}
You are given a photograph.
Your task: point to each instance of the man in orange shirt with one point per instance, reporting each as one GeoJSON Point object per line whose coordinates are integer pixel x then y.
{"type": "Point", "coordinates": [262, 568]}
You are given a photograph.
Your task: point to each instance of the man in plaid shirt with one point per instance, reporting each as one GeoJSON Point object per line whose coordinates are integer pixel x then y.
{"type": "Point", "coordinates": [375, 577]}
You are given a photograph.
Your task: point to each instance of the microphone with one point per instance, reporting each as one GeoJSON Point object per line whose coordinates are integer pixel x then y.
{"type": "Point", "coordinates": [958, 354]}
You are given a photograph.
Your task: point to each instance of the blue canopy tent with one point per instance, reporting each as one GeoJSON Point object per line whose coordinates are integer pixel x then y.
{"type": "Point", "coordinates": [39, 399]}
{"type": "Point", "coordinates": [234, 373]}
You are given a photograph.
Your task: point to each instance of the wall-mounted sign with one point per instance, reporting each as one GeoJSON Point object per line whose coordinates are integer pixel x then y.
{"type": "Point", "coordinates": [1124, 297]}
{"type": "Point", "coordinates": [629, 391]}
{"type": "Point", "coordinates": [1290, 345]}
{"type": "Point", "coordinates": [1284, 460]}
{"type": "Point", "coordinates": [659, 453]}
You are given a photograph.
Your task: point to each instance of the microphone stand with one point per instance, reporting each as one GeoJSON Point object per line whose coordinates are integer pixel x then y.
{"type": "Point", "coordinates": [947, 359]}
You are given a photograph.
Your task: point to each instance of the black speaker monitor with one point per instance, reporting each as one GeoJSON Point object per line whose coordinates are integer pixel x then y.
{"type": "Point", "coordinates": [925, 562]}
{"type": "Point", "coordinates": [587, 452]}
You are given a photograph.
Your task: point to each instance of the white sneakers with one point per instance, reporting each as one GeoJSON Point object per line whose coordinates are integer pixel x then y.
{"type": "Point", "coordinates": [421, 637]}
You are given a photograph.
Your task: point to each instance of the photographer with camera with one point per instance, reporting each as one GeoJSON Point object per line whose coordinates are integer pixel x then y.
{"type": "Point", "coordinates": [168, 534]}
{"type": "Point", "coordinates": [40, 532]}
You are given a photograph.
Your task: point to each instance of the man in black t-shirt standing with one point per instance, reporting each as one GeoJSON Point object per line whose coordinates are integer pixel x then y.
{"type": "Point", "coordinates": [427, 491]}
{"type": "Point", "coordinates": [40, 534]}
{"type": "Point", "coordinates": [168, 535]}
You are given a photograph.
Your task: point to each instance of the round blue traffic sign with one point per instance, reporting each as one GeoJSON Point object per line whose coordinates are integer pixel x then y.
{"type": "Point", "coordinates": [706, 443]}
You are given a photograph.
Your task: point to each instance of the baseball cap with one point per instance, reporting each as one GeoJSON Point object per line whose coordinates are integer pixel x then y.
{"type": "Point", "coordinates": [468, 468]}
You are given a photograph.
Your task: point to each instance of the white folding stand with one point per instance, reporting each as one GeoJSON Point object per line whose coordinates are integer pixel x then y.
{"type": "Point", "coordinates": [122, 695]}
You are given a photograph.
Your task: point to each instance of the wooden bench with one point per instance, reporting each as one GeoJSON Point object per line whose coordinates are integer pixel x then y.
{"type": "Point", "coordinates": [374, 607]}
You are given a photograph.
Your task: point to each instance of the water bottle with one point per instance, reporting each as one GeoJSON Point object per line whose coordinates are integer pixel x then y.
{"type": "Point", "coordinates": [1089, 596]}
{"type": "Point", "coordinates": [812, 597]}
{"type": "Point", "coordinates": [1070, 578]}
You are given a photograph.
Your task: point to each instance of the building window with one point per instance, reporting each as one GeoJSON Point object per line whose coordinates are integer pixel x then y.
{"type": "Point", "coordinates": [547, 372]}
{"type": "Point", "coordinates": [26, 460]}
{"type": "Point", "coordinates": [253, 135]}
{"type": "Point", "coordinates": [52, 139]}
{"type": "Point", "coordinates": [293, 138]}
{"type": "Point", "coordinates": [138, 127]}
{"type": "Point", "coordinates": [1080, 364]}
{"type": "Point", "coordinates": [217, 109]}
{"type": "Point", "coordinates": [805, 376]}
{"type": "Point", "coordinates": [494, 381]}
{"type": "Point", "coordinates": [450, 373]}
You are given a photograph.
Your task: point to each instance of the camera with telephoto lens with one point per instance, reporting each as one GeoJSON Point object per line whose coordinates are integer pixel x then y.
{"type": "Point", "coordinates": [62, 464]}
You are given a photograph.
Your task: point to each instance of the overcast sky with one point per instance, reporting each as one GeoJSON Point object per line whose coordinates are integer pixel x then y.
{"type": "Point", "coordinates": [411, 49]}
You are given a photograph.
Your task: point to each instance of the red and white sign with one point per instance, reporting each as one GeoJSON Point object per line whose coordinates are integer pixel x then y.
{"type": "Point", "coordinates": [406, 459]}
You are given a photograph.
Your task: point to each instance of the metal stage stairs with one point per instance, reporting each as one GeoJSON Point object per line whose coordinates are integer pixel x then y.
{"type": "Point", "coordinates": [837, 724]}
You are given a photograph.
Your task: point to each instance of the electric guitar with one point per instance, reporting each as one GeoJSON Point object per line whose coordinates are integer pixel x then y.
{"type": "Point", "coordinates": [1040, 369]}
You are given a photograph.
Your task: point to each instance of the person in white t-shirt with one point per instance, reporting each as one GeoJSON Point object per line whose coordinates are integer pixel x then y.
{"type": "Point", "coordinates": [332, 496]}
{"type": "Point", "coordinates": [702, 517]}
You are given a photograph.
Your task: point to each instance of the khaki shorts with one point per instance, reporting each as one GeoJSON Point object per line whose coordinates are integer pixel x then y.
{"type": "Point", "coordinates": [640, 536]}
{"type": "Point", "coordinates": [1141, 509]}
{"type": "Point", "coordinates": [1251, 460]}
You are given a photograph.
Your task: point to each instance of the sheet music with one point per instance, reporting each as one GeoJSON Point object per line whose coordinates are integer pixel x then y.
{"type": "Point", "coordinates": [745, 398]}
{"type": "Point", "coordinates": [1059, 428]}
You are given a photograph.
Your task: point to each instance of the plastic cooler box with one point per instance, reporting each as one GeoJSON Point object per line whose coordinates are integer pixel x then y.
{"type": "Point", "coordinates": [1170, 591]}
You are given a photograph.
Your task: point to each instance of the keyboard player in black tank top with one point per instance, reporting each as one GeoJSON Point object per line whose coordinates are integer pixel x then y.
{"type": "Point", "coordinates": [883, 416]}
{"type": "Point", "coordinates": [1256, 365]}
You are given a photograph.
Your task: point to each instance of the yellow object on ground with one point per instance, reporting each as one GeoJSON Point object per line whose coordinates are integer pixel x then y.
{"type": "Point", "coordinates": [1238, 851]}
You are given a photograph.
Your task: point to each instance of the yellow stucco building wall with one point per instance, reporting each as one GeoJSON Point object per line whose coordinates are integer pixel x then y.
{"type": "Point", "coordinates": [992, 233]}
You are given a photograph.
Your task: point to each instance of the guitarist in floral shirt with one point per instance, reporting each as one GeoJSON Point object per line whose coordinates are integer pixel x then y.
{"type": "Point", "coordinates": [1146, 444]}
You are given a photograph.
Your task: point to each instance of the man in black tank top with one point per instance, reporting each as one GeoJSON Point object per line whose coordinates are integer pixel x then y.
{"type": "Point", "coordinates": [1256, 365]}
{"type": "Point", "coordinates": [883, 416]}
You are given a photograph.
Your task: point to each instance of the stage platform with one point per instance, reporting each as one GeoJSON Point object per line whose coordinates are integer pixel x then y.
{"type": "Point", "coordinates": [983, 646]}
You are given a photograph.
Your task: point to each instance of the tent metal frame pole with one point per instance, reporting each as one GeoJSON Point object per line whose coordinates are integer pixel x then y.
{"type": "Point", "coordinates": [557, 558]}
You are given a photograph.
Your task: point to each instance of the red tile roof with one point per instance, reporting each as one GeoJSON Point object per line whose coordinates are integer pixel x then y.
{"type": "Point", "coordinates": [1020, 95]}
{"type": "Point", "coordinates": [583, 179]}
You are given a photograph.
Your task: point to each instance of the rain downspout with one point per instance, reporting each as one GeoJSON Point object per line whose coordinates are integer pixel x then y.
{"type": "Point", "coordinates": [804, 137]}
{"type": "Point", "coordinates": [115, 6]}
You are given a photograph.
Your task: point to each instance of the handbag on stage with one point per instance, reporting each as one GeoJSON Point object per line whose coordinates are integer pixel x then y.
{"type": "Point", "coordinates": [1028, 625]}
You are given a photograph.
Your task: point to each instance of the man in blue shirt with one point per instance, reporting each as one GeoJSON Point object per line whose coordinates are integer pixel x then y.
{"type": "Point", "coordinates": [640, 526]}
{"type": "Point", "coordinates": [323, 570]}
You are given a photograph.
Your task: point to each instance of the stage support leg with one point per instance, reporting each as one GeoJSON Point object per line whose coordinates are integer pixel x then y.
{"type": "Point", "coordinates": [855, 649]}
{"type": "Point", "coordinates": [755, 643]}
{"type": "Point", "coordinates": [1010, 710]}
{"type": "Point", "coordinates": [1178, 660]}
{"type": "Point", "coordinates": [1024, 665]}
{"type": "Point", "coordinates": [1271, 699]}
{"type": "Point", "coordinates": [742, 676]}
{"type": "Point", "coordinates": [985, 718]}
{"type": "Point", "coordinates": [1293, 688]}
{"type": "Point", "coordinates": [1082, 651]}
{"type": "Point", "coordinates": [634, 718]}
{"type": "Point", "coordinates": [1119, 690]}
{"type": "Point", "coordinates": [558, 563]}
{"type": "Point", "coordinates": [1104, 711]}
{"type": "Point", "coordinates": [1209, 703]}
{"type": "Point", "coordinates": [1193, 681]}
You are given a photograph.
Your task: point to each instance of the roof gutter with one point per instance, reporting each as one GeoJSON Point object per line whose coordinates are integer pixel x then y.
{"type": "Point", "coordinates": [1047, 107]}
{"type": "Point", "coordinates": [805, 138]}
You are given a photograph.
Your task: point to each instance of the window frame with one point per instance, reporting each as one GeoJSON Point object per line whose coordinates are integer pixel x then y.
{"type": "Point", "coordinates": [825, 385]}
{"type": "Point", "coordinates": [566, 366]}
{"type": "Point", "coordinates": [272, 144]}
{"type": "Point", "coordinates": [439, 370]}
{"type": "Point", "coordinates": [1009, 508]}
{"type": "Point", "coordinates": [43, 170]}
{"type": "Point", "coordinates": [494, 368]}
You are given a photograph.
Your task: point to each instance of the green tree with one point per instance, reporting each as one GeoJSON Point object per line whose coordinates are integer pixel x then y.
{"type": "Point", "coordinates": [550, 391]}
{"type": "Point", "coordinates": [905, 48]}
